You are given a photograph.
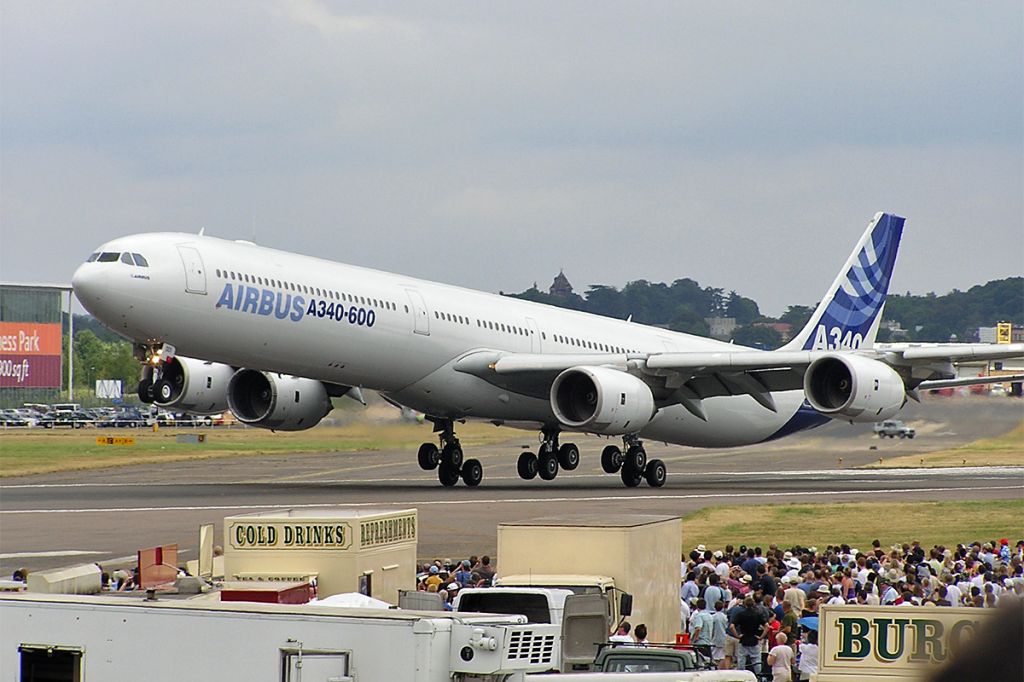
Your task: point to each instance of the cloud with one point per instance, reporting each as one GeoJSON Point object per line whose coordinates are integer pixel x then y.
{"type": "Point", "coordinates": [490, 144]}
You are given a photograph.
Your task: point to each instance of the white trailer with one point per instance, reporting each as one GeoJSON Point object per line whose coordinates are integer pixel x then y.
{"type": "Point", "coordinates": [88, 638]}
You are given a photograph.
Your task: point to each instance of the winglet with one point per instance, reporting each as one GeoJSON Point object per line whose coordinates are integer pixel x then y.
{"type": "Point", "coordinates": [851, 311]}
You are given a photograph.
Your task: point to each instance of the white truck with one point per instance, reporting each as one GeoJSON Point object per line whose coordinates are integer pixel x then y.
{"type": "Point", "coordinates": [633, 554]}
{"type": "Point", "coordinates": [894, 428]}
{"type": "Point", "coordinates": [91, 637]}
{"type": "Point", "coordinates": [583, 619]}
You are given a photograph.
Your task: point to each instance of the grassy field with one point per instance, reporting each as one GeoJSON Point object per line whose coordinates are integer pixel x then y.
{"type": "Point", "coordinates": [1004, 450]}
{"type": "Point", "coordinates": [857, 524]}
{"type": "Point", "coordinates": [34, 452]}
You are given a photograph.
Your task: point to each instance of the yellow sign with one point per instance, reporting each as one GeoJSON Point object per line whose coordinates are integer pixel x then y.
{"type": "Point", "coordinates": [870, 642]}
{"type": "Point", "coordinates": [1004, 332]}
{"type": "Point", "coordinates": [114, 440]}
{"type": "Point", "coordinates": [281, 535]}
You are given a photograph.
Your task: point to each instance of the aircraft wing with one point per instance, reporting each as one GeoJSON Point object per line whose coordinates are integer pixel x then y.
{"type": "Point", "coordinates": [689, 377]}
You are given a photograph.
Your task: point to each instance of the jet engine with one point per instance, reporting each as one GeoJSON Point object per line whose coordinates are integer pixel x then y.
{"type": "Point", "coordinates": [601, 400]}
{"type": "Point", "coordinates": [854, 388]}
{"type": "Point", "coordinates": [192, 385]}
{"type": "Point", "coordinates": [276, 401]}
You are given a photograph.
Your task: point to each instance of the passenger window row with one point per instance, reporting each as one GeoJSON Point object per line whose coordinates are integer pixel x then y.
{"type": "Point", "coordinates": [306, 289]}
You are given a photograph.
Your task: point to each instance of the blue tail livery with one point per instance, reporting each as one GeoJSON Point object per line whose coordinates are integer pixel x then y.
{"type": "Point", "coordinates": [849, 314]}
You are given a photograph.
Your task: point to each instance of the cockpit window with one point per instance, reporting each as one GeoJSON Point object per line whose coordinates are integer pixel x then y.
{"type": "Point", "coordinates": [126, 258]}
{"type": "Point", "coordinates": [108, 257]}
{"type": "Point", "coordinates": [139, 260]}
{"type": "Point", "coordinates": [93, 257]}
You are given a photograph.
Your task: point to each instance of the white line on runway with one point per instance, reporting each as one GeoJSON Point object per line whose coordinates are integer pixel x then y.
{"type": "Point", "coordinates": [521, 500]}
{"type": "Point", "coordinates": [982, 472]}
{"type": "Point", "coordinates": [54, 553]}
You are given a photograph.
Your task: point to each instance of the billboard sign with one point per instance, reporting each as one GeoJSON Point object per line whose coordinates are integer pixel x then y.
{"type": "Point", "coordinates": [108, 389]}
{"type": "Point", "coordinates": [891, 642]}
{"type": "Point", "coordinates": [30, 355]}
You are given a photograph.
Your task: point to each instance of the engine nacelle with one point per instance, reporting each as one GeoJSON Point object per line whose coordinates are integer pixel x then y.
{"type": "Point", "coordinates": [601, 400]}
{"type": "Point", "coordinates": [854, 388]}
{"type": "Point", "coordinates": [277, 401]}
{"type": "Point", "coordinates": [192, 385]}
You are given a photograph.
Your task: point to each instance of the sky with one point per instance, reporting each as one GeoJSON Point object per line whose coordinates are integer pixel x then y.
{"type": "Point", "coordinates": [489, 145]}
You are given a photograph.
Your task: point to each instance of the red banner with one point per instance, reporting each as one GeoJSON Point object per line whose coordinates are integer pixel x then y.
{"type": "Point", "coordinates": [30, 355]}
{"type": "Point", "coordinates": [30, 371]}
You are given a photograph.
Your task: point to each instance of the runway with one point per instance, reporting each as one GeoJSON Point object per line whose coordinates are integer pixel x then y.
{"type": "Point", "coordinates": [100, 515]}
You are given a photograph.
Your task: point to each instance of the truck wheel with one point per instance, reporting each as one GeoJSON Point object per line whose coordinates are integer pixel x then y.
{"type": "Point", "coordinates": [656, 473]}
{"type": "Point", "coordinates": [527, 466]}
{"type": "Point", "coordinates": [472, 472]}
{"type": "Point", "coordinates": [569, 456]}
{"type": "Point", "coordinates": [611, 459]}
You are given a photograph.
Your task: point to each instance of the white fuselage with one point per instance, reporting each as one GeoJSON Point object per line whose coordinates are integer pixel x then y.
{"type": "Point", "coordinates": [250, 306]}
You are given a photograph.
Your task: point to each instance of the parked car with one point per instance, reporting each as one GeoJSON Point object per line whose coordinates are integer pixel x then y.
{"type": "Point", "coordinates": [75, 420]}
{"type": "Point", "coordinates": [10, 418]}
{"type": "Point", "coordinates": [892, 428]}
{"type": "Point", "coordinates": [128, 417]}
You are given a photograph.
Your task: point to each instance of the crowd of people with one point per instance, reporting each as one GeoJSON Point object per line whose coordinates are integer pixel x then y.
{"type": "Point", "coordinates": [755, 609]}
{"type": "Point", "coordinates": [447, 578]}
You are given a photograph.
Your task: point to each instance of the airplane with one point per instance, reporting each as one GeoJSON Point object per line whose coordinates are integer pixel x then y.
{"type": "Point", "coordinates": [273, 336]}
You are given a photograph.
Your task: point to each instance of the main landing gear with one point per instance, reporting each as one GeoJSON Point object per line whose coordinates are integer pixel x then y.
{"type": "Point", "coordinates": [448, 458]}
{"type": "Point", "coordinates": [633, 466]}
{"type": "Point", "coordinates": [549, 459]}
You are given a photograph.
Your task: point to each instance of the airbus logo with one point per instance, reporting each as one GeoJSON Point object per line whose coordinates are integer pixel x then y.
{"type": "Point", "coordinates": [262, 302]}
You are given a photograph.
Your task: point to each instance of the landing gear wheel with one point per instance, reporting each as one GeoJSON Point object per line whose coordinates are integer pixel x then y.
{"type": "Point", "coordinates": [163, 390]}
{"type": "Point", "coordinates": [631, 477]}
{"type": "Point", "coordinates": [472, 472]}
{"type": "Point", "coordinates": [636, 457]}
{"type": "Point", "coordinates": [527, 466]}
{"type": "Point", "coordinates": [547, 465]}
{"type": "Point", "coordinates": [429, 456]}
{"type": "Point", "coordinates": [448, 475]}
{"type": "Point", "coordinates": [145, 391]}
{"type": "Point", "coordinates": [611, 459]}
{"type": "Point", "coordinates": [655, 473]}
{"type": "Point", "coordinates": [452, 454]}
{"type": "Point", "coordinates": [569, 456]}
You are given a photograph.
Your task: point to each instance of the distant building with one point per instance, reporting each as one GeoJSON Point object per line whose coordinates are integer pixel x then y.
{"type": "Point", "coordinates": [561, 287]}
{"type": "Point", "coordinates": [784, 329]}
{"type": "Point", "coordinates": [721, 327]}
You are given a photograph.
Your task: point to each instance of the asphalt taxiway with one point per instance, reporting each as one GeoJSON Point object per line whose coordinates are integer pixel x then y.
{"type": "Point", "coordinates": [100, 515]}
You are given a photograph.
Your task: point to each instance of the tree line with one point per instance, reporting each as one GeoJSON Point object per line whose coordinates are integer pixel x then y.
{"type": "Point", "coordinates": [684, 306]}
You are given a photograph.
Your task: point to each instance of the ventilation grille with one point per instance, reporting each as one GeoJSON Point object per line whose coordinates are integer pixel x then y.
{"type": "Point", "coordinates": [524, 645]}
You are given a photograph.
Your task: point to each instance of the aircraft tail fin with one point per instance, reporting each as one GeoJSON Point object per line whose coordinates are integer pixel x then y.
{"type": "Point", "coordinates": [849, 314]}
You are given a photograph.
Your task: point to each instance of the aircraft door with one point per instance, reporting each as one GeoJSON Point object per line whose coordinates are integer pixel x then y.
{"type": "Point", "coordinates": [421, 320]}
{"type": "Point", "coordinates": [535, 345]}
{"type": "Point", "coordinates": [195, 273]}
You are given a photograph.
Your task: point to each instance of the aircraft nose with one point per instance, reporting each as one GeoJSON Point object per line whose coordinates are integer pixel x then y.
{"type": "Point", "coordinates": [87, 283]}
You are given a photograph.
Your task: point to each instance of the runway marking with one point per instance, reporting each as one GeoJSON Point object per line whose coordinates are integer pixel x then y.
{"type": "Point", "coordinates": [521, 500]}
{"type": "Point", "coordinates": [978, 472]}
{"type": "Point", "coordinates": [54, 553]}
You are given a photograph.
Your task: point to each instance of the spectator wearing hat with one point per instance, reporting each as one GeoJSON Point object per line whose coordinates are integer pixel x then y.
{"type": "Point", "coordinates": [793, 594]}
{"type": "Point", "coordinates": [434, 578]}
{"type": "Point", "coordinates": [888, 594]}
{"type": "Point", "coordinates": [463, 575]}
